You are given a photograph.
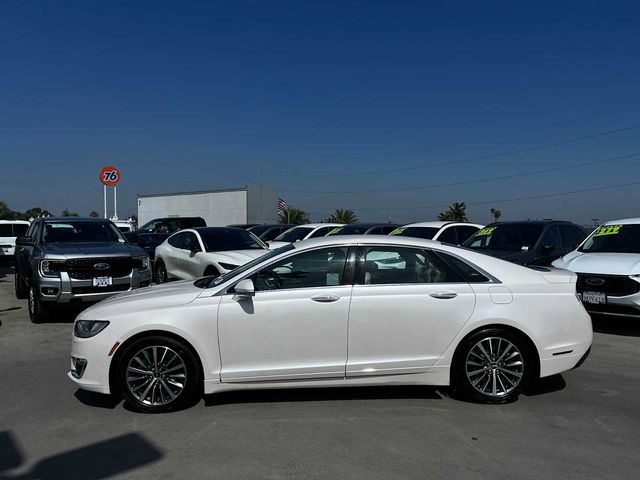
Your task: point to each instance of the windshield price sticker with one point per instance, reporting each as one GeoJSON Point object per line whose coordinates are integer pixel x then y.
{"type": "Point", "coordinates": [398, 231]}
{"type": "Point", "coordinates": [334, 231]}
{"type": "Point", "coordinates": [607, 230]}
{"type": "Point", "coordinates": [485, 231]}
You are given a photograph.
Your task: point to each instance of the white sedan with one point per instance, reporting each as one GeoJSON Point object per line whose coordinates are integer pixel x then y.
{"type": "Point", "coordinates": [321, 313]}
{"type": "Point", "coordinates": [205, 251]}
{"type": "Point", "coordinates": [303, 232]}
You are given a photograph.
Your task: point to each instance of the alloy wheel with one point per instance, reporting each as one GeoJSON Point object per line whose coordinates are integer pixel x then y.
{"type": "Point", "coordinates": [156, 375]}
{"type": "Point", "coordinates": [494, 367]}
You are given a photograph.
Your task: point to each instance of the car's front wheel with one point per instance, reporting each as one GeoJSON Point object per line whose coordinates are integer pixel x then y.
{"type": "Point", "coordinates": [159, 374]}
{"type": "Point", "coordinates": [493, 366]}
{"type": "Point", "coordinates": [160, 272]}
{"type": "Point", "coordinates": [38, 313]}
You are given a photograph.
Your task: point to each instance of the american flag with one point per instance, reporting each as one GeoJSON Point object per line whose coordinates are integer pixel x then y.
{"type": "Point", "coordinates": [281, 206]}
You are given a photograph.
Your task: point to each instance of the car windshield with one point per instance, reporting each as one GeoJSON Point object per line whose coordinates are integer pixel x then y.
{"type": "Point", "coordinates": [613, 239]}
{"type": "Point", "coordinates": [210, 282]}
{"type": "Point", "coordinates": [294, 234]}
{"type": "Point", "coordinates": [505, 237]}
{"type": "Point", "coordinates": [259, 229]}
{"type": "Point", "coordinates": [418, 232]}
{"type": "Point", "coordinates": [79, 231]}
{"type": "Point", "coordinates": [225, 239]}
{"type": "Point", "coordinates": [349, 230]}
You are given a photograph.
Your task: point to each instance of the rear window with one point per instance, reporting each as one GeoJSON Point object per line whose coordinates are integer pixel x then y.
{"type": "Point", "coordinates": [13, 229]}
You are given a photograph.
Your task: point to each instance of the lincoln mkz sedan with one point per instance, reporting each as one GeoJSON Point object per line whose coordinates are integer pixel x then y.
{"type": "Point", "coordinates": [336, 311]}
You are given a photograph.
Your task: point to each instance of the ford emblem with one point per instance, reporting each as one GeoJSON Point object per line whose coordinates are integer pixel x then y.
{"type": "Point", "coordinates": [595, 281]}
{"type": "Point", "coordinates": [102, 266]}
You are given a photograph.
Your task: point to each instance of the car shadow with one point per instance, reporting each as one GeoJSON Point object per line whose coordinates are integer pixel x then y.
{"type": "Point", "coordinates": [545, 385]}
{"type": "Point", "coordinates": [99, 400]}
{"type": "Point", "coordinates": [96, 461]}
{"type": "Point", "coordinates": [629, 327]}
{"type": "Point", "coordinates": [321, 394]}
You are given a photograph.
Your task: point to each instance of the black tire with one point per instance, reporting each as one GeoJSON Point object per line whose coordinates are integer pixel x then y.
{"type": "Point", "coordinates": [22, 291]}
{"type": "Point", "coordinates": [151, 393]}
{"type": "Point", "coordinates": [38, 313]}
{"type": "Point", "coordinates": [211, 271]}
{"type": "Point", "coordinates": [499, 376]}
{"type": "Point", "coordinates": [160, 272]}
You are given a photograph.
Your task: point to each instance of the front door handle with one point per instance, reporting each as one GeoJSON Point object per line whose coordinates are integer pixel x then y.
{"type": "Point", "coordinates": [325, 298]}
{"type": "Point", "coordinates": [444, 295]}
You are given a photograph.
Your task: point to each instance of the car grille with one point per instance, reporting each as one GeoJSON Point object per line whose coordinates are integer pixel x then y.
{"type": "Point", "coordinates": [107, 289]}
{"type": "Point", "coordinates": [84, 268]}
{"type": "Point", "coordinates": [613, 286]}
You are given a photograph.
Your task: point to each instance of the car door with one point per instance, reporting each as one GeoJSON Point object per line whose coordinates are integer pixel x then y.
{"type": "Point", "coordinates": [191, 260]}
{"type": "Point", "coordinates": [406, 307]}
{"type": "Point", "coordinates": [172, 254]}
{"type": "Point", "coordinates": [295, 326]}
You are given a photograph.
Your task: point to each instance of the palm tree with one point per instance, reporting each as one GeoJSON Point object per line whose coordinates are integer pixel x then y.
{"type": "Point", "coordinates": [36, 212]}
{"type": "Point", "coordinates": [342, 215]}
{"type": "Point", "coordinates": [457, 213]}
{"type": "Point", "coordinates": [294, 216]}
{"type": "Point", "coordinates": [496, 214]}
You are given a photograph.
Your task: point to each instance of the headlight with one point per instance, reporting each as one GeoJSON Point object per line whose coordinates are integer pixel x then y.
{"type": "Point", "coordinates": [143, 262]}
{"type": "Point", "coordinates": [635, 277]}
{"type": "Point", "coordinates": [89, 328]}
{"type": "Point", "coordinates": [51, 268]}
{"type": "Point", "coordinates": [228, 266]}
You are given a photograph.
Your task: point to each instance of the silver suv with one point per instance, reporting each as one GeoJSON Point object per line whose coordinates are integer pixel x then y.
{"type": "Point", "coordinates": [75, 260]}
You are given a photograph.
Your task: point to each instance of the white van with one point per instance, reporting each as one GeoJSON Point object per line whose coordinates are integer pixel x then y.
{"type": "Point", "coordinates": [9, 230]}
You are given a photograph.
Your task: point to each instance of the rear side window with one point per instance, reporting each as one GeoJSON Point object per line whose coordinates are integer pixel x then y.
{"type": "Point", "coordinates": [465, 232]}
{"type": "Point", "coordinates": [469, 273]}
{"type": "Point", "coordinates": [321, 232]}
{"type": "Point", "coordinates": [571, 236]}
{"type": "Point", "coordinates": [448, 236]}
{"type": "Point", "coordinates": [178, 240]}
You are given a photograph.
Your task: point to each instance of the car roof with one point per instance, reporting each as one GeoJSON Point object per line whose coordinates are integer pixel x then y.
{"type": "Point", "coordinates": [15, 221]}
{"type": "Point", "coordinates": [441, 224]}
{"type": "Point", "coordinates": [369, 225]}
{"type": "Point", "coordinates": [628, 221]}
{"type": "Point", "coordinates": [213, 229]}
{"type": "Point", "coordinates": [73, 219]}
{"type": "Point", "coordinates": [316, 225]}
{"type": "Point", "coordinates": [364, 240]}
{"type": "Point", "coordinates": [531, 222]}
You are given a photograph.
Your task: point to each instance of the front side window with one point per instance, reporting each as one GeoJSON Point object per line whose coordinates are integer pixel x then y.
{"type": "Point", "coordinates": [294, 234]}
{"type": "Point", "coordinates": [321, 232]}
{"type": "Point", "coordinates": [417, 232]}
{"type": "Point", "coordinates": [552, 237]}
{"type": "Point", "coordinates": [399, 265]}
{"type": "Point", "coordinates": [191, 242]}
{"type": "Point", "coordinates": [624, 238]}
{"type": "Point", "coordinates": [571, 236]}
{"type": "Point", "coordinates": [80, 231]}
{"type": "Point", "coordinates": [151, 227]}
{"type": "Point", "coordinates": [317, 268]}
{"type": "Point", "coordinates": [225, 239]}
{"type": "Point", "coordinates": [448, 236]}
{"type": "Point", "coordinates": [178, 240]}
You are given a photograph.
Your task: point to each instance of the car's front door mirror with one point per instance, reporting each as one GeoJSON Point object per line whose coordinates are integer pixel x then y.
{"type": "Point", "coordinates": [24, 241]}
{"type": "Point", "coordinates": [245, 289]}
{"type": "Point", "coordinates": [547, 248]}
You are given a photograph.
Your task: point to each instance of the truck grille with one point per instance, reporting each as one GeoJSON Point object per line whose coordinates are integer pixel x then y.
{"type": "Point", "coordinates": [85, 268]}
{"type": "Point", "coordinates": [108, 289]}
{"type": "Point", "coordinates": [612, 285]}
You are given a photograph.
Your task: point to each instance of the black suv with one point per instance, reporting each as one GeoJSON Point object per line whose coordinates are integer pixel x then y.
{"type": "Point", "coordinates": [153, 233]}
{"type": "Point", "coordinates": [75, 260]}
{"type": "Point", "coordinates": [527, 242]}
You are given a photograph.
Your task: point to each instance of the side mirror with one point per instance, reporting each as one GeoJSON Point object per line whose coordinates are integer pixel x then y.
{"type": "Point", "coordinates": [547, 248]}
{"type": "Point", "coordinates": [244, 288]}
{"type": "Point", "coordinates": [24, 241]}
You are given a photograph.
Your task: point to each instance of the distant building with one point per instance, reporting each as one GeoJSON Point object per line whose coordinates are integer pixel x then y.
{"type": "Point", "coordinates": [251, 204]}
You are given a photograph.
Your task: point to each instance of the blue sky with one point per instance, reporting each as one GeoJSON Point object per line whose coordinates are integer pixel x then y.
{"type": "Point", "coordinates": [199, 95]}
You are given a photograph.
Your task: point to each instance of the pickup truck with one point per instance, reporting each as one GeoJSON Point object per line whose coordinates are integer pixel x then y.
{"type": "Point", "coordinates": [73, 260]}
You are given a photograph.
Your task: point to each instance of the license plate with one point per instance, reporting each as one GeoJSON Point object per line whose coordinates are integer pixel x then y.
{"type": "Point", "coordinates": [102, 281]}
{"type": "Point", "coordinates": [595, 298]}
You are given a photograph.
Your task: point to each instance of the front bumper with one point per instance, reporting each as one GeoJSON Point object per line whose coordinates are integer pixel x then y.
{"type": "Point", "coordinates": [66, 290]}
{"type": "Point", "coordinates": [628, 306]}
{"type": "Point", "coordinates": [90, 362]}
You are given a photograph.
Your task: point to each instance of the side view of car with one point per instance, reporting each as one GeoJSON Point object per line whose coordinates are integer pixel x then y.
{"type": "Point", "coordinates": [153, 233]}
{"type": "Point", "coordinates": [75, 260]}
{"type": "Point", "coordinates": [303, 232]}
{"type": "Point", "coordinates": [527, 242]}
{"type": "Point", "coordinates": [205, 251]}
{"type": "Point", "coordinates": [454, 233]}
{"type": "Point", "coordinates": [9, 230]}
{"type": "Point", "coordinates": [323, 312]}
{"type": "Point", "coordinates": [608, 267]}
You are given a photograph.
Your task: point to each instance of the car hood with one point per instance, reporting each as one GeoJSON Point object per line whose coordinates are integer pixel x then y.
{"type": "Point", "coordinates": [102, 249]}
{"type": "Point", "coordinates": [603, 263]}
{"type": "Point", "coordinates": [236, 257]}
{"type": "Point", "coordinates": [275, 245]}
{"type": "Point", "coordinates": [159, 296]}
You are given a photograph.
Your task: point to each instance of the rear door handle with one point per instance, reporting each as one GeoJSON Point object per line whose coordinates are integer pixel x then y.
{"type": "Point", "coordinates": [443, 295]}
{"type": "Point", "coordinates": [325, 298]}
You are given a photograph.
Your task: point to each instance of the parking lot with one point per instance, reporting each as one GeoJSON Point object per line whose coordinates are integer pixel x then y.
{"type": "Point", "coordinates": [583, 424]}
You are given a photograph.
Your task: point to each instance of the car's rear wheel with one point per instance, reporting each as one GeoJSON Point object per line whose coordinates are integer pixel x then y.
{"type": "Point", "coordinates": [38, 313]}
{"type": "Point", "coordinates": [493, 366]}
{"type": "Point", "coordinates": [160, 272]}
{"type": "Point", "coordinates": [159, 374]}
{"type": "Point", "coordinates": [22, 291]}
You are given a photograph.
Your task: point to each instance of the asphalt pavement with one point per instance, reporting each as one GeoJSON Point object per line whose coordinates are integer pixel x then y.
{"type": "Point", "coordinates": [584, 424]}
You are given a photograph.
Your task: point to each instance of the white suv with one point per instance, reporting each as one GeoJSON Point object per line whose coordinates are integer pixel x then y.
{"type": "Point", "coordinates": [9, 230]}
{"type": "Point", "coordinates": [608, 268]}
{"type": "Point", "coordinates": [455, 233]}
